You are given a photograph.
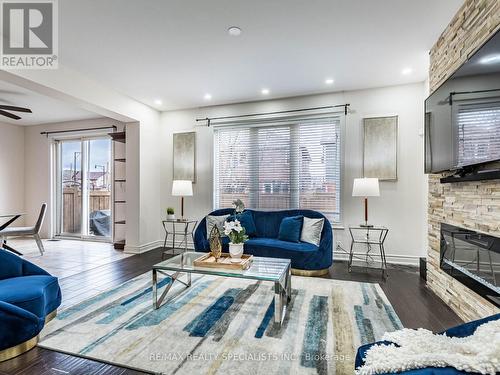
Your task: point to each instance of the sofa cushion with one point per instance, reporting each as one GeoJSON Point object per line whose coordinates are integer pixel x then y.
{"type": "Point", "coordinates": [280, 245]}
{"type": "Point", "coordinates": [269, 243]}
{"type": "Point", "coordinates": [311, 230]}
{"type": "Point", "coordinates": [246, 220]}
{"type": "Point", "coordinates": [39, 294]}
{"type": "Point", "coordinates": [290, 229]}
{"type": "Point", "coordinates": [216, 221]}
{"type": "Point", "coordinates": [302, 255]}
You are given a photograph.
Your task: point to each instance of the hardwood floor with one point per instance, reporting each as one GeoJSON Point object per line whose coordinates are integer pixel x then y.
{"type": "Point", "coordinates": [64, 258]}
{"type": "Point", "coordinates": [414, 303]}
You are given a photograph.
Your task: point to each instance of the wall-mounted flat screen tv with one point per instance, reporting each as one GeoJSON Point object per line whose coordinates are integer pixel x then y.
{"type": "Point", "coordinates": [462, 117]}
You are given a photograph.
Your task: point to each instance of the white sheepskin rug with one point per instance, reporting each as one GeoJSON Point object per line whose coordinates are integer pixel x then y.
{"type": "Point", "coordinates": [421, 348]}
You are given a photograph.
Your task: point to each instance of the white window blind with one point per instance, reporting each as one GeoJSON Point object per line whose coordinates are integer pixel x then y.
{"type": "Point", "coordinates": [280, 166]}
{"type": "Point", "coordinates": [478, 132]}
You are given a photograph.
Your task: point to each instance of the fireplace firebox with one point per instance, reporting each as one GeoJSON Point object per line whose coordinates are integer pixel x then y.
{"type": "Point", "coordinates": [472, 258]}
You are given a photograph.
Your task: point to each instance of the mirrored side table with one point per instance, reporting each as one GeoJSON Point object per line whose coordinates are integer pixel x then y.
{"type": "Point", "coordinates": [371, 237]}
{"type": "Point", "coordinates": [175, 229]}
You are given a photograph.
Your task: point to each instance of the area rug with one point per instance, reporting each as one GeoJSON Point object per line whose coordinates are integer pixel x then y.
{"type": "Point", "coordinates": [225, 326]}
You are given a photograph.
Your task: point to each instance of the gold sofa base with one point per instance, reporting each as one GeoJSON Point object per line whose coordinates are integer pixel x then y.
{"type": "Point", "coordinates": [50, 316]}
{"type": "Point", "coordinates": [309, 273]}
{"type": "Point", "coordinates": [18, 349]}
{"type": "Point", "coordinates": [23, 347]}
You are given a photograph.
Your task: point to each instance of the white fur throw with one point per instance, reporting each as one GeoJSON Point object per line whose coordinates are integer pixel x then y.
{"type": "Point", "coordinates": [421, 348]}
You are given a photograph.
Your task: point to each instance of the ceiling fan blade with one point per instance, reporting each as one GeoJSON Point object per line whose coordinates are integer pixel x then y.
{"type": "Point", "coordinates": [14, 108]}
{"type": "Point", "coordinates": [11, 115]}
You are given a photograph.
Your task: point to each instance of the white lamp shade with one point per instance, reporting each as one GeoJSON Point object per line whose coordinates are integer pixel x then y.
{"type": "Point", "coordinates": [365, 187]}
{"type": "Point", "coordinates": [182, 188]}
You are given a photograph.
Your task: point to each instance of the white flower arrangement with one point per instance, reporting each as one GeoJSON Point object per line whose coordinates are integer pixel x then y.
{"type": "Point", "coordinates": [235, 231]}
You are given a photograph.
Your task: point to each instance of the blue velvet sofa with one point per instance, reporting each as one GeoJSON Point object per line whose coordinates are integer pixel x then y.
{"type": "Point", "coordinates": [29, 297]}
{"type": "Point", "coordinates": [306, 258]}
{"type": "Point", "coordinates": [463, 330]}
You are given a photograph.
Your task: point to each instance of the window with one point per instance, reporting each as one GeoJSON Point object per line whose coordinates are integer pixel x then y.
{"type": "Point", "coordinates": [280, 166]}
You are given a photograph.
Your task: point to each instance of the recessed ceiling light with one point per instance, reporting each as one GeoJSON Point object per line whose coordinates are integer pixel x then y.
{"type": "Point", "coordinates": [406, 71]}
{"type": "Point", "coordinates": [265, 91]}
{"type": "Point", "coordinates": [234, 31]}
{"type": "Point", "coordinates": [329, 81]}
{"type": "Point", "coordinates": [158, 102]}
{"type": "Point", "coordinates": [207, 96]}
{"type": "Point", "coordinates": [490, 59]}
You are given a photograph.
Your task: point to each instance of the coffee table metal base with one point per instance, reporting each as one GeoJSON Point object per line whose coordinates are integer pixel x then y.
{"type": "Point", "coordinates": [282, 291]}
{"type": "Point", "coordinates": [173, 277]}
{"type": "Point", "coordinates": [282, 295]}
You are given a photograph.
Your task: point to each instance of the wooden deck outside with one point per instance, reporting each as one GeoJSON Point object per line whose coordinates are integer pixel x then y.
{"type": "Point", "coordinates": [72, 206]}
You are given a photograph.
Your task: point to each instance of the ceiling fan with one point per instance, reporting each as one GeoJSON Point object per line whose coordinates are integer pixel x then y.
{"type": "Point", "coordinates": [5, 108]}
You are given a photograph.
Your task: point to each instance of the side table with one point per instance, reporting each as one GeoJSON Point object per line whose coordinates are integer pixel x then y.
{"type": "Point", "coordinates": [369, 236]}
{"type": "Point", "coordinates": [173, 228]}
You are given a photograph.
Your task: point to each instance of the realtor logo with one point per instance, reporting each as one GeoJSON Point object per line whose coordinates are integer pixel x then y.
{"type": "Point", "coordinates": [29, 34]}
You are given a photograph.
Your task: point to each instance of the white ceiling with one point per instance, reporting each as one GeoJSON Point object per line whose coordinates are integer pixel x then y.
{"type": "Point", "coordinates": [45, 109]}
{"type": "Point", "coordinates": [179, 50]}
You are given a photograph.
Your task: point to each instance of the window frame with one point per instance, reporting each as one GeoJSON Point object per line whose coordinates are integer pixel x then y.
{"type": "Point", "coordinates": [342, 183]}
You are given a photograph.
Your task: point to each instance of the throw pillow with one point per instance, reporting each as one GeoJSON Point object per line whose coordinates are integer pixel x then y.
{"type": "Point", "coordinates": [311, 230]}
{"type": "Point", "coordinates": [290, 229]}
{"type": "Point", "coordinates": [218, 221]}
{"type": "Point", "coordinates": [246, 220]}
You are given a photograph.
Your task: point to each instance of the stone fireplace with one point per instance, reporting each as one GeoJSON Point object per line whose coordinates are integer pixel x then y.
{"type": "Point", "coordinates": [472, 206]}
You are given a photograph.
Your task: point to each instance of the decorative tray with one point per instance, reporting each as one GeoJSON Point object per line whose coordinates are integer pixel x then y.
{"type": "Point", "coordinates": [208, 260]}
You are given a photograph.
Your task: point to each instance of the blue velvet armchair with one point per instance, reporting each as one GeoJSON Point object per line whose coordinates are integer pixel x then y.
{"type": "Point", "coordinates": [463, 330]}
{"type": "Point", "coordinates": [29, 297]}
{"type": "Point", "coordinates": [307, 259]}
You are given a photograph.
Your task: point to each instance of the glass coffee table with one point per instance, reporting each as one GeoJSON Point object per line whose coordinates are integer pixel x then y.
{"type": "Point", "coordinates": [265, 269]}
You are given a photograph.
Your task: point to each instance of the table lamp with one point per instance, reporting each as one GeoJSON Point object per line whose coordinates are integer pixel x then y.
{"type": "Point", "coordinates": [182, 188]}
{"type": "Point", "coordinates": [365, 187]}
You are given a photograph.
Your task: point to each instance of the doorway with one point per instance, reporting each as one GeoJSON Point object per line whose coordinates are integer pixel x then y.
{"type": "Point", "coordinates": [83, 188]}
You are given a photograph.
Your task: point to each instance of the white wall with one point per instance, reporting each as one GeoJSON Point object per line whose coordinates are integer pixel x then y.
{"type": "Point", "coordinates": [12, 170]}
{"type": "Point", "coordinates": [401, 206]}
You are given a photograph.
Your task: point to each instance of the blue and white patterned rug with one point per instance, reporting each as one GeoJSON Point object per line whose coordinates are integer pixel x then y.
{"type": "Point", "coordinates": [225, 326]}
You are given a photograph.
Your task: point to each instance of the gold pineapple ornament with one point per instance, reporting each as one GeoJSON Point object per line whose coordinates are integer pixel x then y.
{"type": "Point", "coordinates": [215, 243]}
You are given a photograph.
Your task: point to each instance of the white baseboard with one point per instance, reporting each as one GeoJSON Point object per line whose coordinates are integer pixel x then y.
{"type": "Point", "coordinates": [143, 248]}
{"type": "Point", "coordinates": [408, 260]}
{"type": "Point", "coordinates": [151, 246]}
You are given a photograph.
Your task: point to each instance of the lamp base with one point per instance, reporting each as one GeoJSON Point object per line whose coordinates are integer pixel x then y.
{"type": "Point", "coordinates": [365, 224]}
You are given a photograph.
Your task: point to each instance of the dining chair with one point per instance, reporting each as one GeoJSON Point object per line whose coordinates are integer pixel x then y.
{"type": "Point", "coordinates": [26, 231]}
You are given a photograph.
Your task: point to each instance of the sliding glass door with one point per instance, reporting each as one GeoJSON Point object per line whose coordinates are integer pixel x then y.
{"type": "Point", "coordinates": [70, 197]}
{"type": "Point", "coordinates": [83, 188]}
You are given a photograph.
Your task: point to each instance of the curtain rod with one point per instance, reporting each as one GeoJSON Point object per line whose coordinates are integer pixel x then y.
{"type": "Point", "coordinates": [277, 120]}
{"type": "Point", "coordinates": [210, 119]}
{"type": "Point", "coordinates": [469, 92]}
{"type": "Point", "coordinates": [78, 130]}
